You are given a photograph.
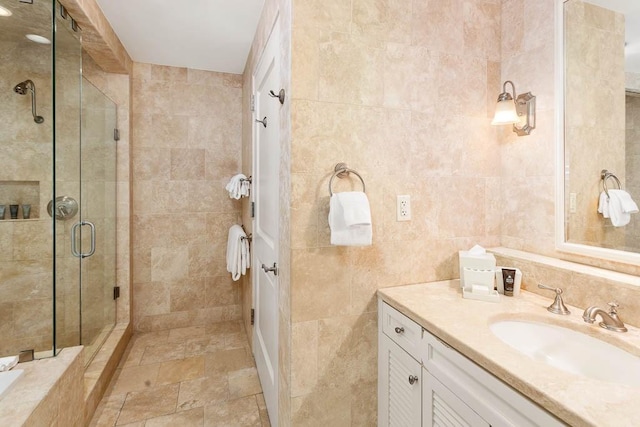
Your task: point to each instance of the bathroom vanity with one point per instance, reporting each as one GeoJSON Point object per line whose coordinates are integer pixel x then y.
{"type": "Point", "coordinates": [440, 364]}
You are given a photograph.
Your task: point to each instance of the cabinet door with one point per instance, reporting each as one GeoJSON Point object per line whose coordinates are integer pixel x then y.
{"type": "Point", "coordinates": [399, 390]}
{"type": "Point", "coordinates": [443, 408]}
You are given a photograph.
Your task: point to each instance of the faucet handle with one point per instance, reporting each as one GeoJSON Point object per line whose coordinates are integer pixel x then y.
{"type": "Point", "coordinates": [557, 307]}
{"type": "Point", "coordinates": [613, 307]}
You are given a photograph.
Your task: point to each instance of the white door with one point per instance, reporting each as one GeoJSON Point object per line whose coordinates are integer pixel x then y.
{"type": "Point", "coordinates": [266, 196]}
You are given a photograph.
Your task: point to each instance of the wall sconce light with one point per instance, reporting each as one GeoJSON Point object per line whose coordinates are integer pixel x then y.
{"type": "Point", "coordinates": [521, 112]}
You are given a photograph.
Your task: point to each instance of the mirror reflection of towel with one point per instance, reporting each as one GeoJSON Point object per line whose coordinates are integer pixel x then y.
{"type": "Point", "coordinates": [350, 219]}
{"type": "Point", "coordinates": [621, 206]}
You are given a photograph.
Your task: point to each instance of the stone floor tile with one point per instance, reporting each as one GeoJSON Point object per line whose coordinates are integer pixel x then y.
{"type": "Point", "coordinates": [162, 353]}
{"type": "Point", "coordinates": [243, 382]}
{"type": "Point", "coordinates": [191, 418]}
{"type": "Point", "coordinates": [227, 361]}
{"type": "Point", "coordinates": [203, 391]}
{"type": "Point", "coordinates": [107, 412]}
{"type": "Point", "coordinates": [240, 412]}
{"type": "Point", "coordinates": [200, 346]}
{"type": "Point", "coordinates": [135, 378]}
{"type": "Point", "coordinates": [184, 334]}
{"type": "Point", "coordinates": [236, 341]}
{"type": "Point", "coordinates": [262, 407]}
{"type": "Point", "coordinates": [225, 328]}
{"type": "Point", "coordinates": [157, 401]}
{"type": "Point", "coordinates": [176, 371]}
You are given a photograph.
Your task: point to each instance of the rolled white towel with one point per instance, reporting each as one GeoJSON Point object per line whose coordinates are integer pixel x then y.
{"type": "Point", "coordinates": [235, 186]}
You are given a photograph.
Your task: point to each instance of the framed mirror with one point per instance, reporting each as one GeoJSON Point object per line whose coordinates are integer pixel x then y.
{"type": "Point", "coordinates": [598, 112]}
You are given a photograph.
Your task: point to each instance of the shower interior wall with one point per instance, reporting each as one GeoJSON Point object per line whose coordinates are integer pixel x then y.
{"type": "Point", "coordinates": [26, 246]}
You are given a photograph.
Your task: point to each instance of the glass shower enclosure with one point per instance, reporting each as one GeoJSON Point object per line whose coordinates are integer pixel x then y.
{"type": "Point", "coordinates": [57, 187]}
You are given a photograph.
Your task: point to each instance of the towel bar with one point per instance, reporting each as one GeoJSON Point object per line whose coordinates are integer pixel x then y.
{"type": "Point", "coordinates": [341, 170]}
{"type": "Point", "coordinates": [604, 176]}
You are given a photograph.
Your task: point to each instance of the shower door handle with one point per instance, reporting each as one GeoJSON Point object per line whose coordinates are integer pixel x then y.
{"type": "Point", "coordinates": [74, 249]}
{"type": "Point", "coordinates": [74, 231]}
{"type": "Point", "coordinates": [92, 249]}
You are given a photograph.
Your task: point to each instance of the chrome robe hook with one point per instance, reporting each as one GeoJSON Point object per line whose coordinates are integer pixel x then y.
{"type": "Point", "coordinates": [280, 95]}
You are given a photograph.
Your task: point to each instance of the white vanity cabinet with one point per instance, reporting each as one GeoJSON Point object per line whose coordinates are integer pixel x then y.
{"type": "Point", "coordinates": [399, 369]}
{"type": "Point", "coordinates": [424, 382]}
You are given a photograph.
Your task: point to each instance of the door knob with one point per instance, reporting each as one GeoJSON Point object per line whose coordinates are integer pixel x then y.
{"type": "Point", "coordinates": [273, 269]}
{"type": "Point", "coordinates": [413, 379]}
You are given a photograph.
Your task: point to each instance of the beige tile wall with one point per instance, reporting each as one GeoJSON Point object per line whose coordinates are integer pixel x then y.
{"type": "Point", "coordinates": [402, 92]}
{"type": "Point", "coordinates": [186, 144]}
{"type": "Point", "coordinates": [26, 255]}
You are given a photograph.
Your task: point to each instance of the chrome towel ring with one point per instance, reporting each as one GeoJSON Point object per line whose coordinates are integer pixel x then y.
{"type": "Point", "coordinates": [341, 171]}
{"type": "Point", "coordinates": [604, 176]}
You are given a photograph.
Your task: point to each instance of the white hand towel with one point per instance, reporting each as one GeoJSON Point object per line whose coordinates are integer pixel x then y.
{"type": "Point", "coordinates": [343, 205]}
{"type": "Point", "coordinates": [603, 204]}
{"type": "Point", "coordinates": [237, 258]}
{"type": "Point", "coordinates": [6, 363]}
{"type": "Point", "coordinates": [238, 186]}
{"type": "Point", "coordinates": [627, 203]}
{"type": "Point", "coordinates": [355, 207]}
{"type": "Point", "coordinates": [619, 218]}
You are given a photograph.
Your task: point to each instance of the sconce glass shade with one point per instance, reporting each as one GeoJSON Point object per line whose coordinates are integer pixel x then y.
{"type": "Point", "coordinates": [505, 112]}
{"type": "Point", "coordinates": [521, 112]}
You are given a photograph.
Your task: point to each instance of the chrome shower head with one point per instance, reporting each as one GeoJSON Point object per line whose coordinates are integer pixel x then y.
{"type": "Point", "coordinates": [23, 88]}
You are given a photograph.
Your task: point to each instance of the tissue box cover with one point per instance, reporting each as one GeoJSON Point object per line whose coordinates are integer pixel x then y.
{"type": "Point", "coordinates": [478, 262]}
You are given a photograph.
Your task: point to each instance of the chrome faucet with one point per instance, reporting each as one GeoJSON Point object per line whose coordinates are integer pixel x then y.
{"type": "Point", "coordinates": [610, 320]}
{"type": "Point", "coordinates": [557, 307]}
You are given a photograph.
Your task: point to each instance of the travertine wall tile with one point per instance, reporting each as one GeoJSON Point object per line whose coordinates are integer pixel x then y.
{"type": "Point", "coordinates": [186, 146]}
{"type": "Point", "coordinates": [402, 93]}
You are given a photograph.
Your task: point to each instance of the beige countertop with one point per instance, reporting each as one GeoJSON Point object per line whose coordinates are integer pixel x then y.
{"type": "Point", "coordinates": [464, 325]}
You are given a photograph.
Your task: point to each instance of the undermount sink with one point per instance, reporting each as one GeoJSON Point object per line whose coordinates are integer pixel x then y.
{"type": "Point", "coordinates": [570, 351]}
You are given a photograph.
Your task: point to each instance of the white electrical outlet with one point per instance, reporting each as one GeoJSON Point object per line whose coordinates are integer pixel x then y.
{"type": "Point", "coordinates": [403, 208]}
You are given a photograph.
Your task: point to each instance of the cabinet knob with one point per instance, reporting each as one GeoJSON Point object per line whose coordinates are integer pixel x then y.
{"type": "Point", "coordinates": [399, 330]}
{"type": "Point", "coordinates": [413, 379]}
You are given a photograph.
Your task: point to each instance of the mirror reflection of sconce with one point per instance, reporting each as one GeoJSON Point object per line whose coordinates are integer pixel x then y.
{"type": "Point", "coordinates": [521, 112]}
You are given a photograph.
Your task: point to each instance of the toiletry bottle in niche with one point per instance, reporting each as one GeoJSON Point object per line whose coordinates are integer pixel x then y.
{"type": "Point", "coordinates": [509, 280]}
{"type": "Point", "coordinates": [2, 209]}
{"type": "Point", "coordinates": [13, 211]}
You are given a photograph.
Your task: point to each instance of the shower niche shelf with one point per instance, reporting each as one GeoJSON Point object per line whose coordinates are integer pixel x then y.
{"type": "Point", "coordinates": [20, 193]}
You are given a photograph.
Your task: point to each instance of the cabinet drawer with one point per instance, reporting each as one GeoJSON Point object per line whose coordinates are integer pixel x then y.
{"type": "Point", "coordinates": [402, 330]}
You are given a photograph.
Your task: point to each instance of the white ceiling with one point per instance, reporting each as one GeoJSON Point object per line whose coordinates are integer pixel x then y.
{"type": "Point", "coordinates": [213, 35]}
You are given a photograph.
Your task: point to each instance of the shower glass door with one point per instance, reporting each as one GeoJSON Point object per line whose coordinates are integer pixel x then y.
{"type": "Point", "coordinates": [97, 232]}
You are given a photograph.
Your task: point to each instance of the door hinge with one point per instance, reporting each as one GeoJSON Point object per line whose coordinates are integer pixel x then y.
{"type": "Point", "coordinates": [253, 209]}
{"type": "Point", "coordinates": [253, 103]}
{"type": "Point", "coordinates": [116, 134]}
{"type": "Point", "coordinates": [116, 292]}
{"type": "Point", "coordinates": [253, 316]}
